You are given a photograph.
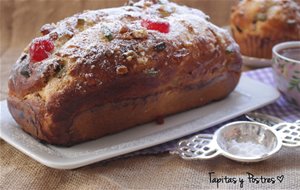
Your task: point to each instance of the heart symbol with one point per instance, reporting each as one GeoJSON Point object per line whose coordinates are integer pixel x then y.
{"type": "Point", "coordinates": [280, 178]}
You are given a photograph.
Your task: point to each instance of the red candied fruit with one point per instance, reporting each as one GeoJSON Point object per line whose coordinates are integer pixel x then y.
{"type": "Point", "coordinates": [40, 49]}
{"type": "Point", "coordinates": [163, 27]}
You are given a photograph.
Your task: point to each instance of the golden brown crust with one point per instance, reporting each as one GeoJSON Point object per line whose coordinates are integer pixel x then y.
{"type": "Point", "coordinates": [104, 58]}
{"type": "Point", "coordinates": [258, 25]}
{"type": "Point", "coordinates": [100, 120]}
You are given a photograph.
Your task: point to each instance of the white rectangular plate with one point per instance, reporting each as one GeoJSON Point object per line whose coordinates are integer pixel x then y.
{"type": "Point", "coordinates": [248, 95]}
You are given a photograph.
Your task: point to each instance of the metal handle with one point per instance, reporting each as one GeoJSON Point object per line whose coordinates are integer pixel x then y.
{"type": "Point", "coordinates": [197, 147]}
{"type": "Point", "coordinates": [263, 118]}
{"type": "Point", "coordinates": [290, 133]}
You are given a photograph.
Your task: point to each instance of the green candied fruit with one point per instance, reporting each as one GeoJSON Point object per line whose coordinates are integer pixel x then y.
{"type": "Point", "coordinates": [261, 17]}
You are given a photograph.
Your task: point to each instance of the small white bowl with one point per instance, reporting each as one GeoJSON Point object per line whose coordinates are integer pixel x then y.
{"type": "Point", "coordinates": [256, 62]}
{"type": "Point", "coordinates": [286, 73]}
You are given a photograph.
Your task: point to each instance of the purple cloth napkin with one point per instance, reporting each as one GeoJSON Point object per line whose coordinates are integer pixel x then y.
{"type": "Point", "coordinates": [281, 109]}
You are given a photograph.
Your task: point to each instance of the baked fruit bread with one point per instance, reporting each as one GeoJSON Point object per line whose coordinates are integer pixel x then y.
{"type": "Point", "coordinates": [104, 71]}
{"type": "Point", "coordinates": [258, 25]}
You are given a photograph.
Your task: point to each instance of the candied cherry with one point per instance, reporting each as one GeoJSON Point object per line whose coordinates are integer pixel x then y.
{"type": "Point", "coordinates": [163, 27]}
{"type": "Point", "coordinates": [40, 49]}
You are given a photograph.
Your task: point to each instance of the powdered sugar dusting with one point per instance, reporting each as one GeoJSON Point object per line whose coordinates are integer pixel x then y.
{"type": "Point", "coordinates": [247, 149]}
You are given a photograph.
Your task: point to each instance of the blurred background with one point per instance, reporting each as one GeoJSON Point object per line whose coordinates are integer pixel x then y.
{"type": "Point", "coordinates": [21, 20]}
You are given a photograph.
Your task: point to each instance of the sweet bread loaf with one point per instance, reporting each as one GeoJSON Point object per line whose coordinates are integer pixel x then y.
{"type": "Point", "coordinates": [104, 71]}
